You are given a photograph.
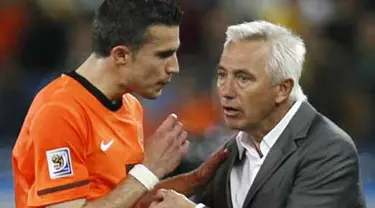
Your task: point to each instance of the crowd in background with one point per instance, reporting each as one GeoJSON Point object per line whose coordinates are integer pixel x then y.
{"type": "Point", "coordinates": [40, 39]}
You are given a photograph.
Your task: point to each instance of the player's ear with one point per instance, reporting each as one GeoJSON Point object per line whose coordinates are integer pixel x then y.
{"type": "Point", "coordinates": [120, 54]}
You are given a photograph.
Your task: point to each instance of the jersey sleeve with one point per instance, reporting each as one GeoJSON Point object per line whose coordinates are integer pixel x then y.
{"type": "Point", "coordinates": [58, 135]}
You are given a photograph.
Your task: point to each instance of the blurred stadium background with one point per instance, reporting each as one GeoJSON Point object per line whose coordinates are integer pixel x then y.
{"type": "Point", "coordinates": [39, 39]}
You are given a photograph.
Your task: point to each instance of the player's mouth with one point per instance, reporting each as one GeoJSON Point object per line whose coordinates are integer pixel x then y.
{"type": "Point", "coordinates": [165, 81]}
{"type": "Point", "coordinates": [160, 85]}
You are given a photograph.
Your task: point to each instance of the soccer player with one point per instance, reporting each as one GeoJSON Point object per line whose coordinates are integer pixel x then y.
{"type": "Point", "coordinates": [81, 144]}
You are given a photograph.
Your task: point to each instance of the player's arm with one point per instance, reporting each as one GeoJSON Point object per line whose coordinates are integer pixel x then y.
{"type": "Point", "coordinates": [185, 184]}
{"type": "Point", "coordinates": [189, 183]}
{"type": "Point", "coordinates": [125, 195]}
{"type": "Point", "coordinates": [163, 152]}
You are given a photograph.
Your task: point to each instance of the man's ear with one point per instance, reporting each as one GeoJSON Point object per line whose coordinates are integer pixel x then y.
{"type": "Point", "coordinates": [283, 90]}
{"type": "Point", "coordinates": [120, 55]}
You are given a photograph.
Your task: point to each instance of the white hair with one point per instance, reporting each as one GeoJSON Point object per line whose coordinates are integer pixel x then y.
{"type": "Point", "coordinates": [287, 51]}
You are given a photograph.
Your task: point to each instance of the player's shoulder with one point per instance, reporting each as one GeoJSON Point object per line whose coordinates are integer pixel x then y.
{"type": "Point", "coordinates": [59, 94]}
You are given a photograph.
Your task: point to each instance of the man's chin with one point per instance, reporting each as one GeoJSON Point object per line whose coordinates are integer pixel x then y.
{"type": "Point", "coordinates": [233, 124]}
{"type": "Point", "coordinates": [151, 95]}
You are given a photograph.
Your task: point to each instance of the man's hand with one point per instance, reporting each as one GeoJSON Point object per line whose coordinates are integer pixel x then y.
{"type": "Point", "coordinates": [190, 182]}
{"type": "Point", "coordinates": [204, 173]}
{"type": "Point", "coordinates": [165, 148]}
{"type": "Point", "coordinates": [171, 199]}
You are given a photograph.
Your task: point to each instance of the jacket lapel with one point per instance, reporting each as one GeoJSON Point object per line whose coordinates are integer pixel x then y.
{"type": "Point", "coordinates": [233, 159]}
{"type": "Point", "coordinates": [283, 148]}
{"type": "Point", "coordinates": [221, 190]}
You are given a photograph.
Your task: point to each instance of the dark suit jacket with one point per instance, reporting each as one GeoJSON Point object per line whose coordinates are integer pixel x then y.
{"type": "Point", "coordinates": [313, 164]}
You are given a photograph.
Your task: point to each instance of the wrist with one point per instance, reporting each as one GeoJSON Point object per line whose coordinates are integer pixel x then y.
{"type": "Point", "coordinates": [146, 177]}
{"type": "Point", "coordinates": [155, 170]}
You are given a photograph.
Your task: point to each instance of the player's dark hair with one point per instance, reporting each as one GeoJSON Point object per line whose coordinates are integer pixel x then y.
{"type": "Point", "coordinates": [125, 22]}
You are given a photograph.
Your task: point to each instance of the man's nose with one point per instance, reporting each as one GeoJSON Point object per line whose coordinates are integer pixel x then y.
{"type": "Point", "coordinates": [173, 66]}
{"type": "Point", "coordinates": [226, 89]}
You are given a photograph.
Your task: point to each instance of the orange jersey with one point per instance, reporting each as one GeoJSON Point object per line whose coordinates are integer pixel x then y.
{"type": "Point", "coordinates": [75, 143]}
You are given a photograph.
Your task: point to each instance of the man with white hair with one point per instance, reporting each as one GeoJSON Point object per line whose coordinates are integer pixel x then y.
{"type": "Point", "coordinates": [286, 154]}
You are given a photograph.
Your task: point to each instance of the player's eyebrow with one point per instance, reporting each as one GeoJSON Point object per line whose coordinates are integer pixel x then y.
{"type": "Point", "coordinates": [166, 53]}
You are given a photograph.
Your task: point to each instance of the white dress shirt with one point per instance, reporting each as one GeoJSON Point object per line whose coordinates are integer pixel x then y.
{"type": "Point", "coordinates": [242, 176]}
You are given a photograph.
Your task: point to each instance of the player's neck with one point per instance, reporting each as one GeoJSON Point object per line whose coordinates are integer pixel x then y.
{"type": "Point", "coordinates": [96, 71]}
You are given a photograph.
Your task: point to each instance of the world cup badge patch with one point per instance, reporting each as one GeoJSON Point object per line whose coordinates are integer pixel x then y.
{"type": "Point", "coordinates": [59, 163]}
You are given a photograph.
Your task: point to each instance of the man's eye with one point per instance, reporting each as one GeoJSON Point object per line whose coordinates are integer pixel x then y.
{"type": "Point", "coordinates": [242, 77]}
{"type": "Point", "coordinates": [220, 75]}
{"type": "Point", "coordinates": [166, 54]}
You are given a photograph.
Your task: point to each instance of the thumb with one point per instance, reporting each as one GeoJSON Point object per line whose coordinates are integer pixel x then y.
{"type": "Point", "coordinates": [160, 194]}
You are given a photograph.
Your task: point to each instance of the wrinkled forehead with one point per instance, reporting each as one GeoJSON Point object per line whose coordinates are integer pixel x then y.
{"type": "Point", "coordinates": [246, 54]}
